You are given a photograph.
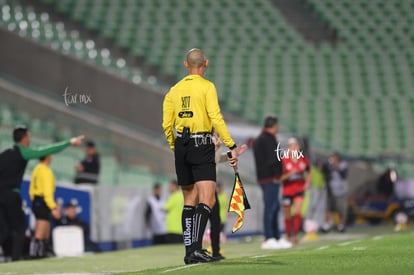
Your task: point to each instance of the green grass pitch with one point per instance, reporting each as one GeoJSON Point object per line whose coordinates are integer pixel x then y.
{"type": "Point", "coordinates": [358, 252]}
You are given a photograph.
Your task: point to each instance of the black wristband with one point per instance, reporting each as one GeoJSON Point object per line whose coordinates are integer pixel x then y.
{"type": "Point", "coordinates": [233, 147]}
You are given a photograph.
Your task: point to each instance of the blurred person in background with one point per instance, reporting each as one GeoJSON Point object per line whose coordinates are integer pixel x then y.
{"type": "Point", "coordinates": [296, 180]}
{"type": "Point", "coordinates": [41, 191]}
{"type": "Point", "coordinates": [13, 162]}
{"type": "Point", "coordinates": [337, 192]}
{"type": "Point", "coordinates": [269, 170]}
{"type": "Point", "coordinates": [155, 215]}
{"type": "Point", "coordinates": [70, 217]}
{"type": "Point", "coordinates": [87, 171]}
{"type": "Point", "coordinates": [317, 205]}
{"type": "Point", "coordinates": [174, 208]}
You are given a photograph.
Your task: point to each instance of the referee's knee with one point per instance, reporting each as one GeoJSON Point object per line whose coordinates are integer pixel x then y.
{"type": "Point", "coordinates": [206, 193]}
{"type": "Point", "coordinates": [210, 202]}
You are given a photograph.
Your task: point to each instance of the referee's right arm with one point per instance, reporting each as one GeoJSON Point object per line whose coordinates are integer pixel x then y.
{"type": "Point", "coordinates": [168, 120]}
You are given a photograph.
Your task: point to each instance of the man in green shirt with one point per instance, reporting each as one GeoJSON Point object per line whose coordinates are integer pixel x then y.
{"type": "Point", "coordinates": [174, 208]}
{"type": "Point", "coordinates": [13, 162]}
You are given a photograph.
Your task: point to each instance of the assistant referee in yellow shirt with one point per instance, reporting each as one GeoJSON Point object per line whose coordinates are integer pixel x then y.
{"type": "Point", "coordinates": [191, 107]}
{"type": "Point", "coordinates": [42, 191]}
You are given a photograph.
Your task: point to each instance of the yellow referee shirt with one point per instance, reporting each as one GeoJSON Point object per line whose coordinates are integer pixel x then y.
{"type": "Point", "coordinates": [43, 185]}
{"type": "Point", "coordinates": [193, 103]}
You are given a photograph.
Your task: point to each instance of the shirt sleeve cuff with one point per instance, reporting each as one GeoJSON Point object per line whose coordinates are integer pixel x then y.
{"type": "Point", "coordinates": [233, 147]}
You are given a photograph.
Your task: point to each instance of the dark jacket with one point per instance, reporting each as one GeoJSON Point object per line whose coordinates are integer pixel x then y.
{"type": "Point", "coordinates": [91, 167]}
{"type": "Point", "coordinates": [268, 167]}
{"type": "Point", "coordinates": [12, 167]}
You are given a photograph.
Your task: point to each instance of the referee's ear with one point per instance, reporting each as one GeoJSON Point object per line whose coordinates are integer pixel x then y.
{"type": "Point", "coordinates": [186, 64]}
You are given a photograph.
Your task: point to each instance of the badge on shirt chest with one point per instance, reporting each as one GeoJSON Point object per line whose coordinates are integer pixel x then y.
{"type": "Point", "coordinates": [185, 114]}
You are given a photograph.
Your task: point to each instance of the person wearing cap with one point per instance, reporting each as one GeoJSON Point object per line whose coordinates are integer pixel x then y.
{"type": "Point", "coordinates": [87, 171]}
{"type": "Point", "coordinates": [190, 111]}
{"type": "Point", "coordinates": [268, 171]}
{"type": "Point", "coordinates": [42, 190]}
{"type": "Point", "coordinates": [13, 162]}
{"type": "Point", "coordinates": [296, 179]}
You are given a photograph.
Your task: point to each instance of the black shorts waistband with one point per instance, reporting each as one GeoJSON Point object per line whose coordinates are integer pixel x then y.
{"type": "Point", "coordinates": [197, 135]}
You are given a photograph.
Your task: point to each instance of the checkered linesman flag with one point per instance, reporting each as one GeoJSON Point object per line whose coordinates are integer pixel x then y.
{"type": "Point", "coordinates": [238, 202]}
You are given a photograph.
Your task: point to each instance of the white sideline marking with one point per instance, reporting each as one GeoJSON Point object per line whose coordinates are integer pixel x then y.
{"type": "Point", "coordinates": [359, 248]}
{"type": "Point", "coordinates": [376, 238]}
{"type": "Point", "coordinates": [259, 256]}
{"type": "Point", "coordinates": [322, 247]}
{"type": "Point", "coordinates": [179, 268]}
{"type": "Point", "coordinates": [348, 243]}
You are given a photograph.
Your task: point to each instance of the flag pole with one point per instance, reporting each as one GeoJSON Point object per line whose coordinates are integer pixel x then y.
{"type": "Point", "coordinates": [230, 155]}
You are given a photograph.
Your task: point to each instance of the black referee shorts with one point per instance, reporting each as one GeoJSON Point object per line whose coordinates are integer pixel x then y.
{"type": "Point", "coordinates": [194, 161]}
{"type": "Point", "coordinates": [40, 209]}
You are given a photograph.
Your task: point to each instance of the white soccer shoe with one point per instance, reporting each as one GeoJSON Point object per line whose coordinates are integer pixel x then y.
{"type": "Point", "coordinates": [283, 243]}
{"type": "Point", "coordinates": [271, 243]}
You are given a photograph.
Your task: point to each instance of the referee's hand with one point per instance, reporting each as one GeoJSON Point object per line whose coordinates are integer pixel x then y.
{"type": "Point", "coordinates": [76, 141]}
{"type": "Point", "coordinates": [233, 159]}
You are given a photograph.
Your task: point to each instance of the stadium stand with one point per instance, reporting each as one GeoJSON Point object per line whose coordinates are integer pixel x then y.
{"type": "Point", "coordinates": [353, 96]}
{"type": "Point", "coordinates": [27, 22]}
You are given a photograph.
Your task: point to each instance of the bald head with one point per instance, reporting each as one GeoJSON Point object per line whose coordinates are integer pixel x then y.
{"type": "Point", "coordinates": [196, 59]}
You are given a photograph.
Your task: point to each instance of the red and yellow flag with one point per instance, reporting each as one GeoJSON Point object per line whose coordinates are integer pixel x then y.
{"type": "Point", "coordinates": [238, 202]}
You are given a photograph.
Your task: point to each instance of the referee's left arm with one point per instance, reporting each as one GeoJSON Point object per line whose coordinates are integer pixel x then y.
{"type": "Point", "coordinates": [168, 120]}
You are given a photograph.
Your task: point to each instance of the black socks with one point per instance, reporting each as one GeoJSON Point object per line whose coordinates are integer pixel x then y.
{"type": "Point", "coordinates": [215, 228]}
{"type": "Point", "coordinates": [187, 224]}
{"type": "Point", "coordinates": [200, 219]}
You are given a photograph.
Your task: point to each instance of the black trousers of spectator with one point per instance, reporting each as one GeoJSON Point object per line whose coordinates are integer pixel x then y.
{"type": "Point", "coordinates": [215, 228]}
{"type": "Point", "coordinates": [11, 204]}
